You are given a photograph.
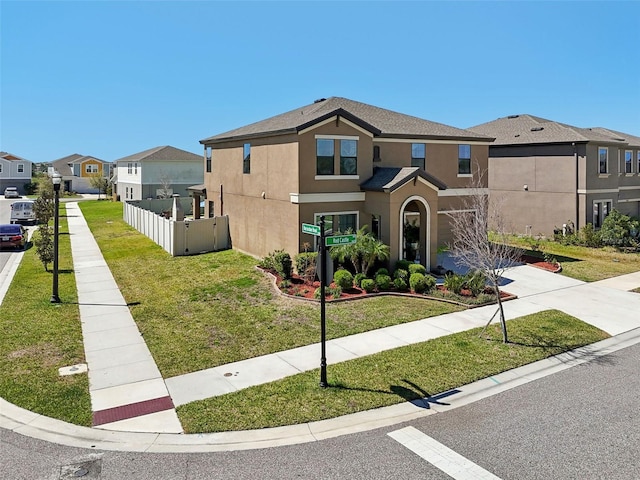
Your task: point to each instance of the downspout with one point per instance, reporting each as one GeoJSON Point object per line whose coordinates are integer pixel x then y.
{"type": "Point", "coordinates": [575, 154]}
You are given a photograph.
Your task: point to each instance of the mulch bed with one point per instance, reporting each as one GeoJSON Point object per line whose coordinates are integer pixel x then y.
{"type": "Point", "coordinates": [541, 263]}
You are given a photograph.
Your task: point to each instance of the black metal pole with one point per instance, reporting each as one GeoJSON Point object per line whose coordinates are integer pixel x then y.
{"type": "Point", "coordinates": [54, 296]}
{"type": "Point", "coordinates": [323, 325]}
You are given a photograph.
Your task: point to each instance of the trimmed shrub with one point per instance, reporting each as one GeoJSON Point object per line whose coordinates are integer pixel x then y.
{"type": "Point", "coordinates": [284, 284]}
{"type": "Point", "coordinates": [382, 271]}
{"type": "Point", "coordinates": [383, 282]}
{"type": "Point", "coordinates": [368, 285]}
{"type": "Point", "coordinates": [430, 282]}
{"type": "Point", "coordinates": [418, 283]}
{"type": "Point", "coordinates": [335, 291]}
{"type": "Point", "coordinates": [454, 282]}
{"type": "Point", "coordinates": [358, 279]}
{"type": "Point", "coordinates": [305, 260]}
{"type": "Point", "coordinates": [476, 281]}
{"type": "Point", "coordinates": [282, 263]}
{"type": "Point", "coordinates": [401, 274]}
{"type": "Point", "coordinates": [343, 279]}
{"type": "Point", "coordinates": [403, 264]}
{"type": "Point", "coordinates": [400, 284]}
{"type": "Point", "coordinates": [417, 268]}
{"type": "Point", "coordinates": [589, 236]}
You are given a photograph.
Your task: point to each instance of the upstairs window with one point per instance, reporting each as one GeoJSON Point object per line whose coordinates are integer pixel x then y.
{"type": "Point", "coordinates": [135, 168]}
{"type": "Point", "coordinates": [376, 153]}
{"type": "Point", "coordinates": [91, 168]}
{"type": "Point", "coordinates": [21, 168]}
{"type": "Point", "coordinates": [348, 157]}
{"type": "Point", "coordinates": [418, 155]}
{"type": "Point", "coordinates": [603, 160]}
{"type": "Point", "coordinates": [207, 154]}
{"type": "Point", "coordinates": [638, 170]}
{"type": "Point", "coordinates": [246, 159]}
{"type": "Point", "coordinates": [628, 161]}
{"type": "Point", "coordinates": [129, 168]}
{"type": "Point", "coordinates": [324, 156]}
{"type": "Point", "coordinates": [464, 159]}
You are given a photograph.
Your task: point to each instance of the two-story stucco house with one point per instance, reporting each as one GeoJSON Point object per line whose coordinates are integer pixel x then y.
{"type": "Point", "coordinates": [157, 173]}
{"type": "Point", "coordinates": [354, 163]}
{"type": "Point", "coordinates": [14, 172]}
{"type": "Point", "coordinates": [546, 174]}
{"type": "Point", "coordinates": [76, 171]}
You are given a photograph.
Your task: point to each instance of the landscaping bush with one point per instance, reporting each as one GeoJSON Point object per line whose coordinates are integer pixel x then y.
{"type": "Point", "coordinates": [383, 282]}
{"type": "Point", "coordinates": [317, 292]}
{"type": "Point", "coordinates": [475, 282]}
{"type": "Point", "coordinates": [403, 264]}
{"type": "Point", "coordinates": [418, 282]}
{"type": "Point", "coordinates": [382, 271]}
{"type": "Point", "coordinates": [417, 268]}
{"type": "Point", "coordinates": [358, 279]}
{"type": "Point", "coordinates": [454, 282]}
{"type": "Point", "coordinates": [282, 263]}
{"type": "Point", "coordinates": [343, 279]}
{"type": "Point", "coordinates": [368, 285]}
{"type": "Point", "coordinates": [589, 236]}
{"type": "Point", "coordinates": [284, 284]}
{"type": "Point", "coordinates": [401, 274]}
{"type": "Point", "coordinates": [616, 229]}
{"type": "Point", "coordinates": [335, 291]}
{"type": "Point", "coordinates": [305, 260]}
{"type": "Point", "coordinates": [400, 284]}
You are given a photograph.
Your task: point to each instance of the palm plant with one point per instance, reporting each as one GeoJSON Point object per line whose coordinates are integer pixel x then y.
{"type": "Point", "coordinates": [363, 253]}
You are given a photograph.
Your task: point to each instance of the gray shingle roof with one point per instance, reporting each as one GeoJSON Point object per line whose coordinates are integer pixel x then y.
{"type": "Point", "coordinates": [632, 140]}
{"type": "Point", "coordinates": [388, 179]}
{"type": "Point", "coordinates": [10, 157]}
{"type": "Point", "coordinates": [379, 121]}
{"type": "Point", "coordinates": [63, 165]}
{"type": "Point", "coordinates": [162, 154]}
{"type": "Point", "coordinates": [528, 129]}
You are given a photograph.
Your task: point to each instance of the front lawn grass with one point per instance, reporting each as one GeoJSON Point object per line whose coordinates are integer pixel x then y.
{"type": "Point", "coordinates": [390, 377]}
{"type": "Point", "coordinates": [39, 337]}
{"type": "Point", "coordinates": [200, 311]}
{"type": "Point", "coordinates": [584, 263]}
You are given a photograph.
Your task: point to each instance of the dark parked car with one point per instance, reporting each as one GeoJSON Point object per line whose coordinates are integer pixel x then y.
{"type": "Point", "coordinates": [13, 235]}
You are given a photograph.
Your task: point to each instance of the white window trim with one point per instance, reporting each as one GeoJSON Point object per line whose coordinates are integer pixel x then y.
{"type": "Point", "coordinates": [608, 172]}
{"type": "Point", "coordinates": [630, 161]}
{"type": "Point", "coordinates": [327, 197]}
{"type": "Point", "coordinates": [465, 175]}
{"type": "Point", "coordinates": [333, 119]}
{"type": "Point", "coordinates": [337, 137]}
{"type": "Point", "coordinates": [20, 166]}
{"type": "Point", "coordinates": [601, 201]}
{"type": "Point", "coordinates": [337, 177]}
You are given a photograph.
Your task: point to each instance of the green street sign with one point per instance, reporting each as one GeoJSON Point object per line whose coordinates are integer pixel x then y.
{"type": "Point", "coordinates": [340, 240]}
{"type": "Point", "coordinates": [311, 229]}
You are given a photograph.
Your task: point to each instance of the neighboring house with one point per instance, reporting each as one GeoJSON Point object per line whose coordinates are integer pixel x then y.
{"type": "Point", "coordinates": [14, 172]}
{"type": "Point", "coordinates": [354, 163]}
{"type": "Point", "coordinates": [76, 171]}
{"type": "Point", "coordinates": [545, 174]}
{"type": "Point", "coordinates": [157, 173]}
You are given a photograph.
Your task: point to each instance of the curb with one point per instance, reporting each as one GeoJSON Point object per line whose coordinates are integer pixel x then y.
{"type": "Point", "coordinates": [34, 425]}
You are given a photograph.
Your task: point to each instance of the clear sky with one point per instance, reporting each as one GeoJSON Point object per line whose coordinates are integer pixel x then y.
{"type": "Point", "coordinates": [113, 78]}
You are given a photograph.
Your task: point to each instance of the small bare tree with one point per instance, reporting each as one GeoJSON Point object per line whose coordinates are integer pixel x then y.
{"type": "Point", "coordinates": [480, 241]}
{"type": "Point", "coordinates": [99, 182]}
{"type": "Point", "coordinates": [165, 183]}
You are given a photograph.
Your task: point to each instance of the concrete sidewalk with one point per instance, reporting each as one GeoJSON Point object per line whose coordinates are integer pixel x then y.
{"type": "Point", "coordinates": [126, 388]}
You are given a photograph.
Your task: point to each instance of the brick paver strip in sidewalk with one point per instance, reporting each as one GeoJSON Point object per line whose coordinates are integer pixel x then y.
{"type": "Point", "coordinates": [132, 410]}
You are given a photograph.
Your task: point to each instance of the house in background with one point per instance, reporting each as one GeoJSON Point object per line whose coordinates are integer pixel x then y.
{"type": "Point", "coordinates": [159, 172]}
{"type": "Point", "coordinates": [14, 172]}
{"type": "Point", "coordinates": [545, 174]}
{"type": "Point", "coordinates": [354, 163]}
{"type": "Point", "coordinates": [77, 170]}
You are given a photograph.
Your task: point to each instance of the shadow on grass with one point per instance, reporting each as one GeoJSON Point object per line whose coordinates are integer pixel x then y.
{"type": "Point", "coordinates": [559, 258]}
{"type": "Point", "coordinates": [416, 395]}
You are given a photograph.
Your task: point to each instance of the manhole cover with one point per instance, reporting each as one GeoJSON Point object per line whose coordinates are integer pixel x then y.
{"type": "Point", "coordinates": [89, 470]}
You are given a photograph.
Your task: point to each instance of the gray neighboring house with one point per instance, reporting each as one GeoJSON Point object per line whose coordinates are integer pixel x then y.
{"type": "Point", "coordinates": [545, 174]}
{"type": "Point", "coordinates": [76, 171]}
{"type": "Point", "coordinates": [14, 172]}
{"type": "Point", "coordinates": [156, 173]}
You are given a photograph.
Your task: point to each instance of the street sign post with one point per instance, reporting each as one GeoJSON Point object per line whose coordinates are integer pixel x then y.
{"type": "Point", "coordinates": [340, 240]}
{"type": "Point", "coordinates": [311, 229]}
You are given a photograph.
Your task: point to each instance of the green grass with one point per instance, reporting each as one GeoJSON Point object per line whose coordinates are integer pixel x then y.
{"type": "Point", "coordinates": [39, 337]}
{"type": "Point", "coordinates": [587, 264]}
{"type": "Point", "coordinates": [201, 311]}
{"type": "Point", "coordinates": [391, 377]}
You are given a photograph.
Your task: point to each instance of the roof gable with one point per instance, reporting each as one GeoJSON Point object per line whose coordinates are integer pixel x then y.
{"type": "Point", "coordinates": [389, 179]}
{"type": "Point", "coordinates": [13, 158]}
{"type": "Point", "coordinates": [164, 153]}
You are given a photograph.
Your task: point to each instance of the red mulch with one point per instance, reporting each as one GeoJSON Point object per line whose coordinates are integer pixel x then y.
{"type": "Point", "coordinates": [541, 263]}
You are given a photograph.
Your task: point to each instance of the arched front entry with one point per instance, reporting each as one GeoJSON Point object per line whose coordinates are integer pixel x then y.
{"type": "Point", "coordinates": [415, 224]}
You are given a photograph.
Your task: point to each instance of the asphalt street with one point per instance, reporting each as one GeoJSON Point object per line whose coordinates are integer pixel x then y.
{"type": "Point", "coordinates": [582, 423]}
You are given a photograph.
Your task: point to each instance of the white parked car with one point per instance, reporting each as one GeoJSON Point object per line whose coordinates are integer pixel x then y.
{"type": "Point", "coordinates": [11, 192]}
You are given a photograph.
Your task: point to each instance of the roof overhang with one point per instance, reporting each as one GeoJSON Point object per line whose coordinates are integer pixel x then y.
{"type": "Point", "coordinates": [197, 190]}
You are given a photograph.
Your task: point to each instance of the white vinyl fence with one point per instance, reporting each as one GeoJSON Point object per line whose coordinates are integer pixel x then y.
{"type": "Point", "coordinates": [188, 237]}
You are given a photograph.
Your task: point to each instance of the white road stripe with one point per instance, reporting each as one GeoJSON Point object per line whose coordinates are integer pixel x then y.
{"type": "Point", "coordinates": [450, 462]}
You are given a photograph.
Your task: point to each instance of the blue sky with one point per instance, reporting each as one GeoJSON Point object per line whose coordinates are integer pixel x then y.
{"type": "Point", "coordinates": [110, 79]}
